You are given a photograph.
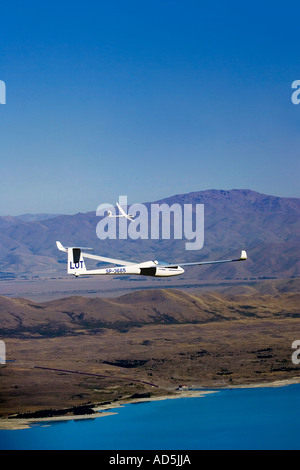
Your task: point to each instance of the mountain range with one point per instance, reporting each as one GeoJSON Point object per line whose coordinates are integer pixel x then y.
{"type": "Point", "coordinates": [268, 227]}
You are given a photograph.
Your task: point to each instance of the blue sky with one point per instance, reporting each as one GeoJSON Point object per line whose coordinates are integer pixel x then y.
{"type": "Point", "coordinates": [146, 99]}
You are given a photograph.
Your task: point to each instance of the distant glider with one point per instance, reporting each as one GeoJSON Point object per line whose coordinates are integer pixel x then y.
{"type": "Point", "coordinates": [76, 264]}
{"type": "Point", "coordinates": [123, 214]}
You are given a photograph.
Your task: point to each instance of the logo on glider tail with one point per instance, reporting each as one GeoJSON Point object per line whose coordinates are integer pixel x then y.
{"type": "Point", "coordinates": [78, 265]}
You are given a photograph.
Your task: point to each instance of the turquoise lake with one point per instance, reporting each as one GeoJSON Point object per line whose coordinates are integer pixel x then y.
{"type": "Point", "coordinates": [254, 418]}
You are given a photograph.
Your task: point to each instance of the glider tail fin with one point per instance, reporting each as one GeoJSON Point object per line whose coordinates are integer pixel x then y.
{"type": "Point", "coordinates": [76, 264]}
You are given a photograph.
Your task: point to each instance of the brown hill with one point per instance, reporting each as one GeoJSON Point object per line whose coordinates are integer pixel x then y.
{"type": "Point", "coordinates": [75, 315]}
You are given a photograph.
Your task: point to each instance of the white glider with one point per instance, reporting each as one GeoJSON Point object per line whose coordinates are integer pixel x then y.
{"type": "Point", "coordinates": [76, 264]}
{"type": "Point", "coordinates": [123, 213]}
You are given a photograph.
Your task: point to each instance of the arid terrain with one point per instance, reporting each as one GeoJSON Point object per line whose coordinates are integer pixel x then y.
{"type": "Point", "coordinates": [80, 350]}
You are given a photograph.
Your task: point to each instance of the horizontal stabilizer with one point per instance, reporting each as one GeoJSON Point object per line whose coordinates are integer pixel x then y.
{"type": "Point", "coordinates": [62, 248]}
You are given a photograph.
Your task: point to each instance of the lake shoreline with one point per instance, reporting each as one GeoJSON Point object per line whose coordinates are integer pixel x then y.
{"type": "Point", "coordinates": [11, 424]}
